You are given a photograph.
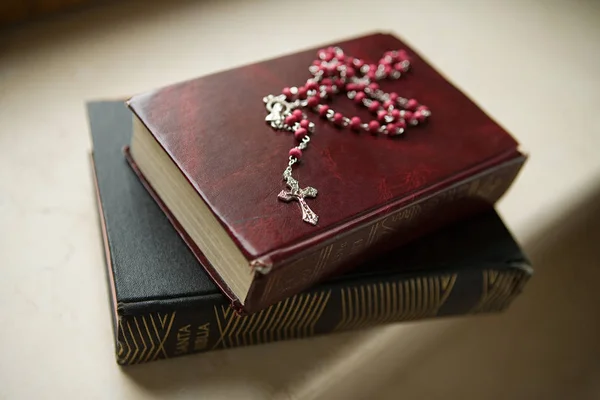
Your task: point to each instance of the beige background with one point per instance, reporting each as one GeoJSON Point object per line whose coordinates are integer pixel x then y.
{"type": "Point", "coordinates": [533, 65]}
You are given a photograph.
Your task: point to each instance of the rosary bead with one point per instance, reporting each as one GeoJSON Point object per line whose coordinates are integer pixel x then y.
{"type": "Point", "coordinates": [350, 72]}
{"type": "Point", "coordinates": [351, 86]}
{"type": "Point", "coordinates": [401, 124]}
{"type": "Point", "coordinates": [395, 114]}
{"type": "Point", "coordinates": [302, 92]}
{"type": "Point", "coordinates": [290, 120]}
{"type": "Point", "coordinates": [412, 104]}
{"type": "Point", "coordinates": [287, 92]}
{"type": "Point", "coordinates": [381, 114]}
{"type": "Point", "coordinates": [297, 114]}
{"type": "Point", "coordinates": [304, 123]}
{"type": "Point", "coordinates": [355, 123]}
{"type": "Point", "coordinates": [338, 118]}
{"type": "Point", "coordinates": [387, 104]}
{"type": "Point", "coordinates": [312, 101]}
{"type": "Point", "coordinates": [402, 55]}
{"type": "Point", "coordinates": [408, 115]}
{"type": "Point", "coordinates": [327, 82]}
{"type": "Point", "coordinates": [374, 126]}
{"type": "Point", "coordinates": [399, 67]}
{"type": "Point", "coordinates": [374, 106]}
{"type": "Point", "coordinates": [311, 85]}
{"type": "Point", "coordinates": [359, 97]}
{"type": "Point", "coordinates": [418, 115]}
{"type": "Point", "coordinates": [323, 110]}
{"type": "Point", "coordinates": [391, 129]}
{"type": "Point", "coordinates": [332, 69]}
{"type": "Point", "coordinates": [387, 70]}
{"type": "Point", "coordinates": [358, 62]}
{"type": "Point", "coordinates": [295, 152]}
{"type": "Point", "coordinates": [300, 133]}
{"type": "Point", "coordinates": [374, 86]}
{"type": "Point", "coordinates": [393, 96]}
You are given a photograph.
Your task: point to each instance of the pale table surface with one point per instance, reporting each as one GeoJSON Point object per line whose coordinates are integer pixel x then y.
{"type": "Point", "coordinates": [533, 65]}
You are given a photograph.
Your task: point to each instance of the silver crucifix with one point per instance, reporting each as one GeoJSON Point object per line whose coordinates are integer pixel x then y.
{"type": "Point", "coordinates": [295, 193]}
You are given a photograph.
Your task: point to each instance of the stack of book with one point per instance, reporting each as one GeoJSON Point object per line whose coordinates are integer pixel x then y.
{"type": "Point", "coordinates": [202, 255]}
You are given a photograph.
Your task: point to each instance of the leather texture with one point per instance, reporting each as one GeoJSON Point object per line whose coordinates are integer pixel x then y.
{"type": "Point", "coordinates": [161, 292]}
{"type": "Point", "coordinates": [153, 269]}
{"type": "Point", "coordinates": [214, 129]}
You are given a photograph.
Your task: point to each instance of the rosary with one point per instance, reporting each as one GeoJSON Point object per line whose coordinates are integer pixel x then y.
{"type": "Point", "coordinates": [333, 73]}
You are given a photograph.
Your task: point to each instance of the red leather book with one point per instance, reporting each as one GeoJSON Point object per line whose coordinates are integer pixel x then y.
{"type": "Point", "coordinates": [210, 147]}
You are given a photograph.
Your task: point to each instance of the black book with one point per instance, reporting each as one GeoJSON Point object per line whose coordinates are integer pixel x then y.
{"type": "Point", "coordinates": [165, 305]}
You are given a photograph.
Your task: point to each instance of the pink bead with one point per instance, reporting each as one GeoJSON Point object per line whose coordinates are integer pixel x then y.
{"type": "Point", "coordinates": [399, 67]}
{"type": "Point", "coordinates": [355, 123]}
{"type": "Point", "coordinates": [340, 57]}
{"type": "Point", "coordinates": [395, 114]}
{"type": "Point", "coordinates": [325, 55]}
{"type": "Point", "coordinates": [323, 110]}
{"type": "Point", "coordinates": [374, 86]}
{"type": "Point", "coordinates": [412, 104]}
{"type": "Point", "coordinates": [311, 85]}
{"type": "Point", "coordinates": [393, 96]}
{"type": "Point", "coordinates": [302, 92]}
{"type": "Point", "coordinates": [295, 152]}
{"type": "Point", "coordinates": [371, 74]}
{"type": "Point", "coordinates": [419, 116]}
{"type": "Point", "coordinates": [290, 120]}
{"type": "Point", "coordinates": [332, 69]}
{"type": "Point", "coordinates": [387, 70]}
{"type": "Point", "coordinates": [338, 118]}
{"type": "Point", "coordinates": [360, 86]}
{"type": "Point", "coordinates": [304, 123]}
{"type": "Point", "coordinates": [327, 82]}
{"type": "Point", "coordinates": [423, 108]}
{"type": "Point", "coordinates": [300, 133]}
{"type": "Point", "coordinates": [408, 115]}
{"type": "Point", "coordinates": [359, 97]}
{"type": "Point", "coordinates": [374, 106]}
{"type": "Point", "coordinates": [316, 62]}
{"type": "Point", "coordinates": [351, 86]}
{"type": "Point", "coordinates": [287, 92]}
{"type": "Point", "coordinates": [297, 114]}
{"type": "Point", "coordinates": [387, 104]}
{"type": "Point", "coordinates": [374, 126]}
{"type": "Point", "coordinates": [403, 55]}
{"type": "Point", "coordinates": [401, 124]}
{"type": "Point", "coordinates": [391, 129]}
{"type": "Point", "coordinates": [328, 90]}
{"type": "Point", "coordinates": [381, 114]}
{"type": "Point", "coordinates": [312, 101]}
{"type": "Point", "coordinates": [337, 82]}
{"type": "Point", "coordinates": [350, 72]}
{"type": "Point", "coordinates": [359, 63]}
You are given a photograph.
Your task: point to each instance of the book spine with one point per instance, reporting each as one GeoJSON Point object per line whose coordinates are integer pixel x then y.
{"type": "Point", "coordinates": [335, 256]}
{"type": "Point", "coordinates": [177, 332]}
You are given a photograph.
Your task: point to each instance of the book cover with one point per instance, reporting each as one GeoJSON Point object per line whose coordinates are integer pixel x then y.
{"type": "Point", "coordinates": [165, 305]}
{"type": "Point", "coordinates": [375, 193]}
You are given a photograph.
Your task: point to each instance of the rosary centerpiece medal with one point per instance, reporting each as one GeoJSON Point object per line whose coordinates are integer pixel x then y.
{"type": "Point", "coordinates": [336, 73]}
